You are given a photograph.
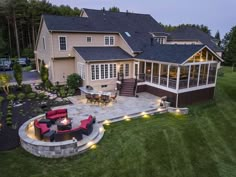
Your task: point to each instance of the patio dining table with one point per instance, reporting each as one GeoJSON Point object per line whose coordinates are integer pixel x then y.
{"type": "Point", "coordinates": [89, 91]}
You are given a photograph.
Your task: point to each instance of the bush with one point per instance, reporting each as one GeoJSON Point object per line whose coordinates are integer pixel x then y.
{"type": "Point", "coordinates": [21, 96]}
{"type": "Point", "coordinates": [42, 96]}
{"type": "Point", "coordinates": [17, 73]}
{"type": "Point", "coordinates": [11, 97]}
{"type": "Point", "coordinates": [31, 95]}
{"type": "Point", "coordinates": [71, 92]}
{"type": "Point", "coordinates": [27, 88]}
{"type": "Point", "coordinates": [48, 84]}
{"type": "Point", "coordinates": [1, 99]}
{"type": "Point", "coordinates": [74, 81]}
{"type": "Point", "coordinates": [62, 92]}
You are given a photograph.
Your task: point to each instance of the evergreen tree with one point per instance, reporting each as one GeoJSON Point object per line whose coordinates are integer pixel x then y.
{"type": "Point", "coordinates": [230, 47]}
{"type": "Point", "coordinates": [217, 36]}
{"type": "Point", "coordinates": [44, 73]}
{"type": "Point", "coordinates": [114, 9]}
{"type": "Point", "coordinates": [18, 73]}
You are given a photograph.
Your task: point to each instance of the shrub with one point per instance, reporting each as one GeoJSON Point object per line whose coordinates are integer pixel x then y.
{"type": "Point", "coordinates": [62, 92]}
{"type": "Point", "coordinates": [1, 99]}
{"type": "Point", "coordinates": [74, 81]}
{"type": "Point", "coordinates": [9, 114]}
{"type": "Point", "coordinates": [48, 84]}
{"type": "Point", "coordinates": [43, 73]}
{"type": "Point", "coordinates": [41, 95]}
{"type": "Point", "coordinates": [11, 97]}
{"type": "Point", "coordinates": [31, 95]}
{"type": "Point", "coordinates": [17, 73]}
{"type": "Point", "coordinates": [71, 92]}
{"type": "Point", "coordinates": [21, 96]}
{"type": "Point", "coordinates": [27, 88]}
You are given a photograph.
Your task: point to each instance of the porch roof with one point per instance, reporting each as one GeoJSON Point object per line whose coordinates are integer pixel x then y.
{"type": "Point", "coordinates": [169, 53]}
{"type": "Point", "coordinates": [102, 53]}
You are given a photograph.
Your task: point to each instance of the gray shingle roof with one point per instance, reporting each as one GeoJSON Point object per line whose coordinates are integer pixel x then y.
{"type": "Point", "coordinates": [102, 53]}
{"type": "Point", "coordinates": [192, 33]}
{"type": "Point", "coordinates": [169, 53]}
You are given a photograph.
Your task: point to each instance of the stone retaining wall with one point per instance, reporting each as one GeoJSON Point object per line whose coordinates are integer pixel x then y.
{"type": "Point", "coordinates": [178, 110]}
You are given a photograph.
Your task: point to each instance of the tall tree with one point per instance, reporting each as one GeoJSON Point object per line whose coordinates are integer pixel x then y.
{"type": "Point", "coordinates": [114, 9]}
{"type": "Point", "coordinates": [229, 43]}
{"type": "Point", "coordinates": [217, 37]}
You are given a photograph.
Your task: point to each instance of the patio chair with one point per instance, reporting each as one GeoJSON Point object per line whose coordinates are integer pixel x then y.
{"type": "Point", "coordinates": [96, 98]}
{"type": "Point", "coordinates": [105, 99]}
{"type": "Point", "coordinates": [89, 98]}
{"type": "Point", "coordinates": [113, 97]}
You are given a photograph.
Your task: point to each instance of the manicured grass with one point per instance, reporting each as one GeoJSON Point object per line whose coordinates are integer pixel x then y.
{"type": "Point", "coordinates": [201, 144]}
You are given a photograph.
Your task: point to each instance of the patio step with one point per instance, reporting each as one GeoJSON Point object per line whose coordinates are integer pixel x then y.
{"type": "Point", "coordinates": [127, 88]}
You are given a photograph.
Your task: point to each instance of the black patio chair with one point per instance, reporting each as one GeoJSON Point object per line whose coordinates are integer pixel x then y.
{"type": "Point", "coordinates": [105, 99]}
{"type": "Point", "coordinates": [89, 98]}
{"type": "Point", "coordinates": [113, 97]}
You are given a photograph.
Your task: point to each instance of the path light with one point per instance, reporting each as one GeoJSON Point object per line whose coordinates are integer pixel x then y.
{"type": "Point", "coordinates": [0, 126]}
{"type": "Point", "coordinates": [106, 122]}
{"type": "Point", "coordinates": [127, 118]}
{"type": "Point", "coordinates": [93, 146]}
{"type": "Point", "coordinates": [90, 143]}
{"type": "Point", "coordinates": [101, 129]}
{"type": "Point", "coordinates": [159, 109]}
{"type": "Point", "coordinates": [177, 110]}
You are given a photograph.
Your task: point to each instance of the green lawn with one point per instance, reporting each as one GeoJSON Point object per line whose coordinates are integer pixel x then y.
{"type": "Point", "coordinates": [201, 144]}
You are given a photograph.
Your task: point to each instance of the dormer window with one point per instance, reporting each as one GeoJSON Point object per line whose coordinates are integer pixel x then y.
{"type": "Point", "coordinates": [160, 40]}
{"type": "Point", "coordinates": [109, 40]}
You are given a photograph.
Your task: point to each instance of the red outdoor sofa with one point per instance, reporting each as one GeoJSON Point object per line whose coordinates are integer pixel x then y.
{"type": "Point", "coordinates": [86, 127]}
{"type": "Point", "coordinates": [56, 114]}
{"type": "Point", "coordinates": [40, 129]}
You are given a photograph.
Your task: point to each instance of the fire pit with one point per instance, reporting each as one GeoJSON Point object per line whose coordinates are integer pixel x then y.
{"type": "Point", "coordinates": [64, 124]}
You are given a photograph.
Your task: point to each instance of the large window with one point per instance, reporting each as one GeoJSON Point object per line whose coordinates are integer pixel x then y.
{"type": "Point", "coordinates": [62, 43]}
{"type": "Point", "coordinates": [212, 73]}
{"type": "Point", "coordinates": [103, 71]}
{"type": "Point", "coordinates": [44, 44]}
{"type": "Point", "coordinates": [109, 40]}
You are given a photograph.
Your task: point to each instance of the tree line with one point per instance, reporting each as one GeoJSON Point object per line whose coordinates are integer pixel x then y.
{"type": "Point", "coordinates": [20, 20]}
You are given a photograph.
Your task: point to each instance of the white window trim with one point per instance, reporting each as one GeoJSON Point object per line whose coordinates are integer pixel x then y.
{"type": "Point", "coordinates": [44, 43]}
{"type": "Point", "coordinates": [87, 39]}
{"type": "Point", "coordinates": [80, 72]}
{"type": "Point", "coordinates": [99, 66]}
{"type": "Point", "coordinates": [59, 43]}
{"type": "Point", "coordinates": [109, 39]}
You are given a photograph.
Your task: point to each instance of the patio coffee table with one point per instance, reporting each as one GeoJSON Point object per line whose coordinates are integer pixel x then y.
{"type": "Point", "coordinates": [49, 136]}
{"type": "Point", "coordinates": [64, 124]}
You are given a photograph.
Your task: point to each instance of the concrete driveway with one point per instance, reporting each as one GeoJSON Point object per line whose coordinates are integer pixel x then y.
{"type": "Point", "coordinates": [28, 76]}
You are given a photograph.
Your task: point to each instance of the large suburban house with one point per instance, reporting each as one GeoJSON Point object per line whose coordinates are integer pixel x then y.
{"type": "Point", "coordinates": [129, 52]}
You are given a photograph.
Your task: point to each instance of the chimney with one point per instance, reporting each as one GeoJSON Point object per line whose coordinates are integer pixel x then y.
{"type": "Point", "coordinates": [152, 41]}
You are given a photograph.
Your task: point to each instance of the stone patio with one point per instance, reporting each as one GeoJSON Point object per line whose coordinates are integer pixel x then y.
{"type": "Point", "coordinates": [124, 106]}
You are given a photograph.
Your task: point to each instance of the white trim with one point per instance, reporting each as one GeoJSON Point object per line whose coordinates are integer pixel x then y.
{"type": "Point", "coordinates": [168, 75]}
{"type": "Point", "coordinates": [126, 43]}
{"type": "Point", "coordinates": [109, 40]}
{"type": "Point", "coordinates": [81, 70]}
{"type": "Point", "coordinates": [177, 79]}
{"type": "Point", "coordinates": [199, 72]}
{"type": "Point", "coordinates": [152, 72]}
{"type": "Point", "coordinates": [159, 74]}
{"type": "Point", "coordinates": [87, 39]}
{"type": "Point", "coordinates": [196, 88]}
{"type": "Point", "coordinates": [158, 62]}
{"type": "Point", "coordinates": [199, 63]}
{"type": "Point", "coordinates": [99, 68]}
{"type": "Point", "coordinates": [189, 74]}
{"type": "Point", "coordinates": [60, 45]}
{"type": "Point", "coordinates": [208, 71]}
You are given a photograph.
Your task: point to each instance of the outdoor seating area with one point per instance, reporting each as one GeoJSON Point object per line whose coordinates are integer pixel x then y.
{"type": "Point", "coordinates": [101, 98]}
{"type": "Point", "coordinates": [56, 126]}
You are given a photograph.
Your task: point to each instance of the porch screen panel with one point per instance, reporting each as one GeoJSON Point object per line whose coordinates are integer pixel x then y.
{"type": "Point", "coordinates": [194, 76]}
{"type": "Point", "coordinates": [155, 77]}
{"type": "Point", "coordinates": [212, 73]}
{"type": "Point", "coordinates": [163, 77]}
{"type": "Point", "coordinates": [148, 71]}
{"type": "Point", "coordinates": [203, 74]}
{"type": "Point", "coordinates": [172, 77]}
{"type": "Point", "coordinates": [183, 79]}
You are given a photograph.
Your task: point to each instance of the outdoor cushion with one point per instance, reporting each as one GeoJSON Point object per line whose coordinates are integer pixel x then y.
{"type": "Point", "coordinates": [44, 128]}
{"type": "Point", "coordinates": [50, 113]}
{"type": "Point", "coordinates": [61, 111]}
{"type": "Point", "coordinates": [83, 125]}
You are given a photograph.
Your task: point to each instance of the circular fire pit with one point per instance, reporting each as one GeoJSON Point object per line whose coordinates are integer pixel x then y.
{"type": "Point", "coordinates": [64, 124]}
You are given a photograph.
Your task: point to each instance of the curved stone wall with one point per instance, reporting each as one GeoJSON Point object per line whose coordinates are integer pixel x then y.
{"type": "Point", "coordinates": [57, 149]}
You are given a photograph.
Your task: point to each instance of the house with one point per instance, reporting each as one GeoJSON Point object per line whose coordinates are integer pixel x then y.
{"type": "Point", "coordinates": [131, 52]}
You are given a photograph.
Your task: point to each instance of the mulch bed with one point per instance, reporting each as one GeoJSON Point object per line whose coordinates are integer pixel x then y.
{"type": "Point", "coordinates": [25, 110]}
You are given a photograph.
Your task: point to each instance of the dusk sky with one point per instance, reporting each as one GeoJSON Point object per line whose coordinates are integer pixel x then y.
{"type": "Point", "coordinates": [216, 14]}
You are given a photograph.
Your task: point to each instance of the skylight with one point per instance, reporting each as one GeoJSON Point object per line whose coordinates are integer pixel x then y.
{"type": "Point", "coordinates": [127, 34]}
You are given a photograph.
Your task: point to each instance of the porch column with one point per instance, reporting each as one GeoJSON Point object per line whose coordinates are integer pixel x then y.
{"type": "Point", "coordinates": [189, 74]}
{"type": "Point", "coordinates": [151, 72]}
{"type": "Point", "coordinates": [207, 55]}
{"type": "Point", "coordinates": [168, 73]}
{"type": "Point", "coordinates": [217, 68]}
{"type": "Point", "coordinates": [208, 71]}
{"type": "Point", "coordinates": [145, 68]}
{"type": "Point", "coordinates": [199, 71]}
{"type": "Point", "coordinates": [177, 78]}
{"type": "Point", "coordinates": [159, 74]}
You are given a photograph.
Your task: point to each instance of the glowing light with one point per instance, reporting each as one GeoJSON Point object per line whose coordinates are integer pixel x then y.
{"type": "Point", "coordinates": [93, 146]}
{"type": "Point", "coordinates": [159, 101]}
{"type": "Point", "coordinates": [0, 125]}
{"type": "Point", "coordinates": [127, 119]}
{"type": "Point", "coordinates": [101, 129]}
{"type": "Point", "coordinates": [177, 110]}
{"type": "Point", "coordinates": [90, 143]}
{"type": "Point", "coordinates": [106, 122]}
{"type": "Point", "coordinates": [46, 66]}
{"type": "Point", "coordinates": [143, 113]}
{"type": "Point", "coordinates": [159, 109]}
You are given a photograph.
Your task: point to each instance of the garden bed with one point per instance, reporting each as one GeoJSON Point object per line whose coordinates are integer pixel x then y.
{"type": "Point", "coordinates": [18, 107]}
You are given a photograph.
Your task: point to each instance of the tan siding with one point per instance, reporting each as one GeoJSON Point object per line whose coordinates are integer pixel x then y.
{"type": "Point", "coordinates": [79, 39]}
{"type": "Point", "coordinates": [62, 68]}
